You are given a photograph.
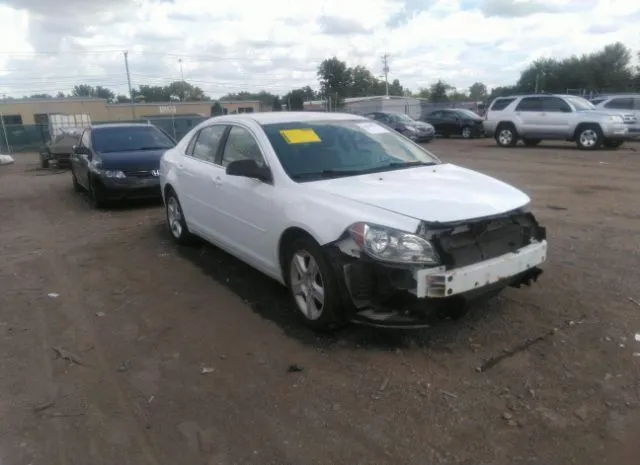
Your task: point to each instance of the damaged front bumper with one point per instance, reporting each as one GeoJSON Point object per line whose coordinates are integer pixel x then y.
{"type": "Point", "coordinates": [439, 282]}
{"type": "Point", "coordinates": [477, 261]}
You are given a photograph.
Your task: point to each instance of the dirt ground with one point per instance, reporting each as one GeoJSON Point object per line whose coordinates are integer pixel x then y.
{"type": "Point", "coordinates": [117, 347]}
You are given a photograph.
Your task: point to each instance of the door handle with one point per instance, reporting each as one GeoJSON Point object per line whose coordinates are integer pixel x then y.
{"type": "Point", "coordinates": [180, 165]}
{"type": "Point", "coordinates": [217, 180]}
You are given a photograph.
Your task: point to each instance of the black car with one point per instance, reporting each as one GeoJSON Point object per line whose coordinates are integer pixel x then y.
{"type": "Point", "coordinates": [405, 125]}
{"type": "Point", "coordinates": [455, 121]}
{"type": "Point", "coordinates": [119, 161]}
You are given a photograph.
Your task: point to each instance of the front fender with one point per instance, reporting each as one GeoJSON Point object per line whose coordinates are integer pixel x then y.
{"type": "Point", "coordinates": [326, 217]}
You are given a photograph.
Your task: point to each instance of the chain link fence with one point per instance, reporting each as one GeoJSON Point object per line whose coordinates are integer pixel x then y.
{"type": "Point", "coordinates": [16, 138]}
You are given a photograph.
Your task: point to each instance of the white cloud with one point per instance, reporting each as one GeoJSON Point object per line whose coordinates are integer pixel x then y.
{"type": "Point", "coordinates": [51, 45]}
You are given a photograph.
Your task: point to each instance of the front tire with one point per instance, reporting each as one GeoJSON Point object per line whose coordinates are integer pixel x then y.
{"type": "Point", "coordinates": [313, 284]}
{"type": "Point", "coordinates": [74, 180]}
{"type": "Point", "coordinates": [95, 200]}
{"type": "Point", "coordinates": [506, 135]}
{"type": "Point", "coordinates": [175, 220]}
{"type": "Point", "coordinates": [466, 132]}
{"type": "Point", "coordinates": [589, 137]}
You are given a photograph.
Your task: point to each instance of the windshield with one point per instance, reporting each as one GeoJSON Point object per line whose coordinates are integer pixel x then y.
{"type": "Point", "coordinates": [468, 113]}
{"type": "Point", "coordinates": [581, 104]}
{"type": "Point", "coordinates": [401, 118]}
{"type": "Point", "coordinates": [130, 139]}
{"type": "Point", "coordinates": [313, 150]}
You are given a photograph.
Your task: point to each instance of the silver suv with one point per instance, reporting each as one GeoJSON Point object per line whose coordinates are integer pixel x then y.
{"type": "Point", "coordinates": [538, 117]}
{"type": "Point", "coordinates": [629, 104]}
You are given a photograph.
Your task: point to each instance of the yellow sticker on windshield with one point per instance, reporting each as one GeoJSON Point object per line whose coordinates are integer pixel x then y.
{"type": "Point", "coordinates": [300, 136]}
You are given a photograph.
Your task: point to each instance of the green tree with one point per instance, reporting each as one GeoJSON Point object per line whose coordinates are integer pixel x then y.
{"type": "Point", "coordinates": [477, 91]}
{"type": "Point", "coordinates": [335, 80]}
{"type": "Point", "coordinates": [438, 91]}
{"type": "Point", "coordinates": [423, 92]}
{"type": "Point", "coordinates": [83, 90]}
{"type": "Point", "coordinates": [122, 99]}
{"type": "Point", "coordinates": [103, 92]}
{"type": "Point", "coordinates": [277, 104]}
{"type": "Point", "coordinates": [216, 109]}
{"type": "Point", "coordinates": [40, 96]}
{"type": "Point", "coordinates": [60, 95]}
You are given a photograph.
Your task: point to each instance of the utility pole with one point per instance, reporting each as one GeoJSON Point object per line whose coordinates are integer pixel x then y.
{"type": "Point", "coordinates": [385, 70]}
{"type": "Point", "coordinates": [181, 72]}
{"type": "Point", "coordinates": [126, 66]}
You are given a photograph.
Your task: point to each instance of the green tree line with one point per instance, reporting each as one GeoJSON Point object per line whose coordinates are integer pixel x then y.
{"type": "Point", "coordinates": [608, 70]}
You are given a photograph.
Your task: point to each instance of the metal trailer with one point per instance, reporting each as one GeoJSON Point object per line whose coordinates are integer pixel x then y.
{"type": "Point", "coordinates": [64, 133]}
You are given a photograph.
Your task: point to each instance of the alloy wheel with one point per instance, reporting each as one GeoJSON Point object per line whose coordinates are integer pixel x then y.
{"type": "Point", "coordinates": [307, 284]}
{"type": "Point", "coordinates": [174, 216]}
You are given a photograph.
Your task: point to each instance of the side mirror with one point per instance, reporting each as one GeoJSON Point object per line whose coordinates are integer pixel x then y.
{"type": "Point", "coordinates": [249, 169]}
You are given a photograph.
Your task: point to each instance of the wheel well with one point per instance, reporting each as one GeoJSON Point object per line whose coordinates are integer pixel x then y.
{"type": "Point", "coordinates": [167, 189]}
{"type": "Point", "coordinates": [288, 236]}
{"type": "Point", "coordinates": [502, 124]}
{"type": "Point", "coordinates": [580, 126]}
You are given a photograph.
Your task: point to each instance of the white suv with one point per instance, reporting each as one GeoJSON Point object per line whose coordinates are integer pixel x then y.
{"type": "Point", "coordinates": [538, 117]}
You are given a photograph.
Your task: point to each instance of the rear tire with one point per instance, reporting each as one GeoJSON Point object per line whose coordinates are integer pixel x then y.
{"type": "Point", "coordinates": [175, 220]}
{"type": "Point", "coordinates": [506, 135]}
{"type": "Point", "coordinates": [44, 161]}
{"type": "Point", "coordinates": [313, 284]}
{"type": "Point", "coordinates": [612, 144]}
{"type": "Point", "coordinates": [589, 137]}
{"type": "Point", "coordinates": [531, 142]}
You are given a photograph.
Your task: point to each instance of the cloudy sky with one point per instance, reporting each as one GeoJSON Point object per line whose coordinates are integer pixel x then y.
{"type": "Point", "coordinates": [229, 46]}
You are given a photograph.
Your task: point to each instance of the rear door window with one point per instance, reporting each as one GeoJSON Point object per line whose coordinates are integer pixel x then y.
{"type": "Point", "coordinates": [529, 104]}
{"type": "Point", "coordinates": [554, 105]}
{"type": "Point", "coordinates": [501, 103]}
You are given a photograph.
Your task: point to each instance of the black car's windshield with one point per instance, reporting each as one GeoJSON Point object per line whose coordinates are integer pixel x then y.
{"type": "Point", "coordinates": [130, 139]}
{"type": "Point", "coordinates": [468, 114]}
{"type": "Point", "coordinates": [313, 150]}
{"type": "Point", "coordinates": [401, 118]}
{"type": "Point", "coordinates": [581, 104]}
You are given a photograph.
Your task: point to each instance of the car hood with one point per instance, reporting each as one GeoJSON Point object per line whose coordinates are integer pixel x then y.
{"type": "Point", "coordinates": [441, 193]}
{"type": "Point", "coordinates": [139, 160]}
{"type": "Point", "coordinates": [420, 125]}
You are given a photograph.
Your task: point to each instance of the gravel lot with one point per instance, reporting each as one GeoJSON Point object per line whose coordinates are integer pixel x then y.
{"type": "Point", "coordinates": [117, 347]}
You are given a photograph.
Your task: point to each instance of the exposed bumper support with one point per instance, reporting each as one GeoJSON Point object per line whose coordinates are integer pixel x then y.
{"type": "Point", "coordinates": [439, 282]}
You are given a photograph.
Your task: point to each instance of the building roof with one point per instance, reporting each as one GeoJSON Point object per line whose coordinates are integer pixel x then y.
{"type": "Point", "coordinates": [177, 104]}
{"type": "Point", "coordinates": [290, 117]}
{"type": "Point", "coordinates": [13, 101]}
{"type": "Point", "coordinates": [367, 98]}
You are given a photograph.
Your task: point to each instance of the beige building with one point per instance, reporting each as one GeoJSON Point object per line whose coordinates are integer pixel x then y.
{"type": "Point", "coordinates": [36, 111]}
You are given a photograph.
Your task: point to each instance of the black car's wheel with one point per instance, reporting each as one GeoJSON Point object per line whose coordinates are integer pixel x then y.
{"type": "Point", "coordinates": [506, 135]}
{"type": "Point", "coordinates": [612, 144]}
{"type": "Point", "coordinates": [467, 132]}
{"type": "Point", "coordinates": [531, 142]}
{"type": "Point", "coordinates": [313, 284]}
{"type": "Point", "coordinates": [44, 160]}
{"type": "Point", "coordinates": [95, 199]}
{"type": "Point", "coordinates": [175, 219]}
{"type": "Point", "coordinates": [74, 181]}
{"type": "Point", "coordinates": [589, 137]}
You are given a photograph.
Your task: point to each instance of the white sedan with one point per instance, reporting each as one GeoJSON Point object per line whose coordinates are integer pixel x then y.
{"type": "Point", "coordinates": [348, 214]}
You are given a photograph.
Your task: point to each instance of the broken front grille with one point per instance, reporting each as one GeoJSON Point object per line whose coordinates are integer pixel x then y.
{"type": "Point", "coordinates": [485, 239]}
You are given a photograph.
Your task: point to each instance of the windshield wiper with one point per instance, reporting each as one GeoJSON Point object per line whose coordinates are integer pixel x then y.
{"type": "Point", "coordinates": [324, 174]}
{"type": "Point", "coordinates": [151, 147]}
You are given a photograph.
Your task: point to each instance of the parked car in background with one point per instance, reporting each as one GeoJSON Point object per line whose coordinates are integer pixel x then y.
{"type": "Point", "coordinates": [348, 214]}
{"type": "Point", "coordinates": [538, 117]}
{"type": "Point", "coordinates": [458, 122]}
{"type": "Point", "coordinates": [628, 104]}
{"type": "Point", "coordinates": [119, 161]}
{"type": "Point", "coordinates": [417, 131]}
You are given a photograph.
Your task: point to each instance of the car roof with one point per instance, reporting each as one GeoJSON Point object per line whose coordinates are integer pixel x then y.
{"type": "Point", "coordinates": [289, 117]}
{"type": "Point", "coordinates": [119, 125]}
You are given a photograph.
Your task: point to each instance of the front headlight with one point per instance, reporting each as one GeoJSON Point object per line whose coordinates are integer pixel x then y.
{"type": "Point", "coordinates": [616, 119]}
{"type": "Point", "coordinates": [391, 245]}
{"type": "Point", "coordinates": [411, 129]}
{"type": "Point", "coordinates": [112, 174]}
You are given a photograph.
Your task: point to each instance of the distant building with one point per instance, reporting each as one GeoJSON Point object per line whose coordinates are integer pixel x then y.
{"type": "Point", "coordinates": [36, 111]}
{"type": "Point", "coordinates": [411, 106]}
